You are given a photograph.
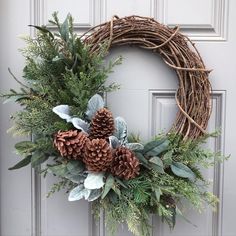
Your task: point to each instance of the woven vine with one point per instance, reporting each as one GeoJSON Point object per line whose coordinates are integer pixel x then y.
{"type": "Point", "coordinates": [178, 52]}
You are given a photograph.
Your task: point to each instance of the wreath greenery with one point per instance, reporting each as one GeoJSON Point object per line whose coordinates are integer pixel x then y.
{"type": "Point", "coordinates": [89, 150]}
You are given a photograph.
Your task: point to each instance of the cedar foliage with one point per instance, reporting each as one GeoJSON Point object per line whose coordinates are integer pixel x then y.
{"type": "Point", "coordinates": [59, 70]}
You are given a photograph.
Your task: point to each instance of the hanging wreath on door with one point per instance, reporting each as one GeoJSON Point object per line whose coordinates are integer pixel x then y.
{"type": "Point", "coordinates": [91, 151]}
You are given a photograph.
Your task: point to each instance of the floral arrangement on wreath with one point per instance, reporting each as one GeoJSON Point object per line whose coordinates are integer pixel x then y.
{"type": "Point", "coordinates": [89, 150]}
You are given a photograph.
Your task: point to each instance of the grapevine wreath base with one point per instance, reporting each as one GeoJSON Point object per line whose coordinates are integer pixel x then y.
{"type": "Point", "coordinates": [89, 150]}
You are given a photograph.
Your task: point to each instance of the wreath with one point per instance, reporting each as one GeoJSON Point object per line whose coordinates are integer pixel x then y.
{"type": "Point", "coordinates": [91, 151]}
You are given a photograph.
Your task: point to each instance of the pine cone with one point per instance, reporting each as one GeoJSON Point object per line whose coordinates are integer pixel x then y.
{"type": "Point", "coordinates": [70, 143]}
{"type": "Point", "coordinates": [125, 164]}
{"type": "Point", "coordinates": [98, 155]}
{"type": "Point", "coordinates": [102, 125]}
{"type": "Point", "coordinates": [169, 201]}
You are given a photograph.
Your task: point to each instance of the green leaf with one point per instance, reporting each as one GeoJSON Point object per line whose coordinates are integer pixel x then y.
{"type": "Point", "coordinates": [65, 29]}
{"type": "Point", "coordinates": [59, 170]}
{"type": "Point", "coordinates": [167, 158]}
{"type": "Point", "coordinates": [22, 163]}
{"type": "Point", "coordinates": [43, 30]}
{"type": "Point", "coordinates": [38, 158]}
{"type": "Point", "coordinates": [134, 146]}
{"type": "Point", "coordinates": [157, 164]}
{"type": "Point", "coordinates": [153, 144]}
{"type": "Point", "coordinates": [25, 147]}
{"type": "Point", "coordinates": [158, 194]}
{"type": "Point", "coordinates": [156, 161]}
{"type": "Point", "coordinates": [120, 182]}
{"type": "Point", "coordinates": [108, 185]}
{"type": "Point", "coordinates": [116, 190]}
{"type": "Point", "coordinates": [75, 178]}
{"type": "Point", "coordinates": [159, 149]}
{"type": "Point", "coordinates": [183, 171]}
{"type": "Point", "coordinates": [141, 158]}
{"type": "Point", "coordinates": [75, 167]}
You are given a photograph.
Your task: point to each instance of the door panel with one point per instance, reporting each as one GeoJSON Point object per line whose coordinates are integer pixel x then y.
{"type": "Point", "coordinates": [145, 100]}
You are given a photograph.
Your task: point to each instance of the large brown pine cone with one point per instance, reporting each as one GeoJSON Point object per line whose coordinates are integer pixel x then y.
{"type": "Point", "coordinates": [70, 143]}
{"type": "Point", "coordinates": [97, 155]}
{"type": "Point", "coordinates": [102, 125]}
{"type": "Point", "coordinates": [125, 164]}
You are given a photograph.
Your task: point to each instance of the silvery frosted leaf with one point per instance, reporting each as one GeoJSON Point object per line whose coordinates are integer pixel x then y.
{"type": "Point", "coordinates": [94, 194]}
{"type": "Point", "coordinates": [63, 111]}
{"type": "Point", "coordinates": [80, 124]}
{"type": "Point", "coordinates": [134, 146]}
{"type": "Point", "coordinates": [95, 103]}
{"type": "Point", "coordinates": [94, 180]}
{"type": "Point", "coordinates": [86, 193]}
{"type": "Point", "coordinates": [121, 130]}
{"type": "Point", "coordinates": [76, 193]}
{"type": "Point", "coordinates": [114, 142]}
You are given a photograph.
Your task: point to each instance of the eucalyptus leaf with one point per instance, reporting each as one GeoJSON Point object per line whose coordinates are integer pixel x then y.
{"type": "Point", "coordinates": [94, 104]}
{"type": "Point", "coordinates": [80, 124]}
{"type": "Point", "coordinates": [134, 146]}
{"type": "Point", "coordinates": [183, 171]}
{"type": "Point", "coordinates": [159, 149]}
{"type": "Point", "coordinates": [121, 130]}
{"type": "Point", "coordinates": [59, 170]}
{"type": "Point", "coordinates": [141, 157]}
{"type": "Point", "coordinates": [153, 144]}
{"type": "Point", "coordinates": [167, 158]}
{"type": "Point", "coordinates": [63, 111]}
{"type": "Point", "coordinates": [108, 185]}
{"type": "Point", "coordinates": [75, 178]}
{"type": "Point", "coordinates": [75, 167]}
{"type": "Point", "coordinates": [38, 158]}
{"type": "Point", "coordinates": [94, 194]}
{"type": "Point", "coordinates": [21, 163]}
{"type": "Point", "coordinates": [114, 142]}
{"type": "Point", "coordinates": [25, 147]}
{"type": "Point", "coordinates": [94, 180]}
{"type": "Point", "coordinates": [156, 161]}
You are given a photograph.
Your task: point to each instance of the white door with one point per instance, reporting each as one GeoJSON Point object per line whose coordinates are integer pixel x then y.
{"type": "Point", "coordinates": [148, 88]}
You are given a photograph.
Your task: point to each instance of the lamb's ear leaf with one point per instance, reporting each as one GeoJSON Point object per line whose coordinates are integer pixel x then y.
{"type": "Point", "coordinates": [80, 124]}
{"type": "Point", "coordinates": [121, 130]}
{"type": "Point", "coordinates": [63, 111]}
{"type": "Point", "coordinates": [94, 180]}
{"type": "Point", "coordinates": [95, 103]}
{"type": "Point", "coordinates": [114, 142]}
{"type": "Point", "coordinates": [94, 194]}
{"type": "Point", "coordinates": [76, 193]}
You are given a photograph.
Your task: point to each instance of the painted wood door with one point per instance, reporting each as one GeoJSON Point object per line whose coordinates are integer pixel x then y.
{"type": "Point", "coordinates": [145, 100]}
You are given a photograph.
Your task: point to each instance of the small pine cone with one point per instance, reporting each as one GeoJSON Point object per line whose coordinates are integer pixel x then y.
{"type": "Point", "coordinates": [70, 143]}
{"type": "Point", "coordinates": [169, 201]}
{"type": "Point", "coordinates": [97, 155]}
{"type": "Point", "coordinates": [102, 125]}
{"type": "Point", "coordinates": [125, 164]}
